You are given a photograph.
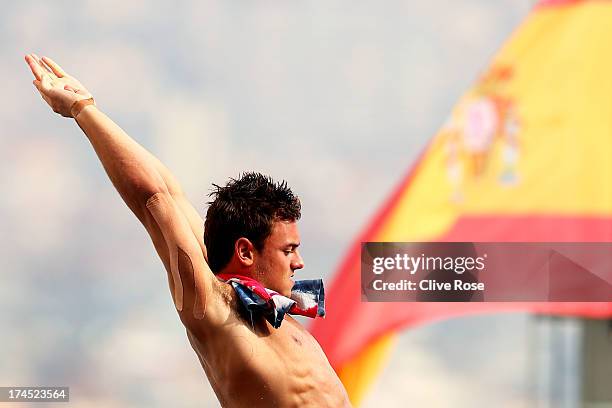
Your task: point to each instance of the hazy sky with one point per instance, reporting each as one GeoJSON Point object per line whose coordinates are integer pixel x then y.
{"type": "Point", "coordinates": [335, 97]}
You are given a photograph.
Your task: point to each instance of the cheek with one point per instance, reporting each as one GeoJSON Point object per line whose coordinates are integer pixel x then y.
{"type": "Point", "coordinates": [263, 267]}
{"type": "Point", "coordinates": [282, 262]}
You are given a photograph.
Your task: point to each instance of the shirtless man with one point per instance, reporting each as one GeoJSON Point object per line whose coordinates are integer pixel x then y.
{"type": "Point", "coordinates": [251, 231]}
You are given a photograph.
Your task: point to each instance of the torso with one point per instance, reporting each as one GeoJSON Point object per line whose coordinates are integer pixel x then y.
{"type": "Point", "coordinates": [257, 365]}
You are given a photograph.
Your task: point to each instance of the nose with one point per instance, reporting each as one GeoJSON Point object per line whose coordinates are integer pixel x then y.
{"type": "Point", "coordinates": [298, 262]}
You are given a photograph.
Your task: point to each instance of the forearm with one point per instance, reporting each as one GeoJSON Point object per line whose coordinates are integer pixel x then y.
{"type": "Point", "coordinates": [171, 182]}
{"type": "Point", "coordinates": [131, 168]}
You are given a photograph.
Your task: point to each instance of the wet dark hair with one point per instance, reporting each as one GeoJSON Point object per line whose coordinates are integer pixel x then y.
{"type": "Point", "coordinates": [245, 207]}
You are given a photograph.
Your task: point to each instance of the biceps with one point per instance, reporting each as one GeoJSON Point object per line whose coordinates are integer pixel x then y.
{"type": "Point", "coordinates": [189, 277]}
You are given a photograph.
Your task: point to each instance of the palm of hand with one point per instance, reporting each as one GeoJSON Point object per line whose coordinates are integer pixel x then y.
{"type": "Point", "coordinates": [56, 87]}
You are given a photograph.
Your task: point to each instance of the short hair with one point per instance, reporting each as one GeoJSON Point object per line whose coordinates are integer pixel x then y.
{"type": "Point", "coordinates": [245, 207]}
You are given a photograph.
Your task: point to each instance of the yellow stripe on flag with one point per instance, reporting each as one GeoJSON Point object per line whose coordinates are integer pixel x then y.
{"type": "Point", "coordinates": [359, 373]}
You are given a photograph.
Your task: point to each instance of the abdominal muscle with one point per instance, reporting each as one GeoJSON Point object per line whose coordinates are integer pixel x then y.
{"type": "Point", "coordinates": [253, 366]}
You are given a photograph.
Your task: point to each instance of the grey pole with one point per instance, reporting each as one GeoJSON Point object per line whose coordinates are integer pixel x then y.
{"type": "Point", "coordinates": [597, 363]}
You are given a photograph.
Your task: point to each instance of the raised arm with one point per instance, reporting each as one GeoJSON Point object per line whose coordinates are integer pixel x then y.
{"type": "Point", "coordinates": [145, 184]}
{"type": "Point", "coordinates": [139, 171]}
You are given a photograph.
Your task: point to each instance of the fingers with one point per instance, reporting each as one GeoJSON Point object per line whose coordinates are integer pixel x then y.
{"type": "Point", "coordinates": [38, 68]}
{"type": "Point", "coordinates": [44, 66]}
{"type": "Point", "coordinates": [57, 70]}
{"type": "Point", "coordinates": [45, 77]}
{"type": "Point", "coordinates": [34, 67]}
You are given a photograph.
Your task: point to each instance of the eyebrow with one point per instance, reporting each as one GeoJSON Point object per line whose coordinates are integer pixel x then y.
{"type": "Point", "coordinates": [293, 244]}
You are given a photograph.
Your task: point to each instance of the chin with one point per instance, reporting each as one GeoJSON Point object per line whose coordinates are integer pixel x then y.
{"type": "Point", "coordinates": [288, 287]}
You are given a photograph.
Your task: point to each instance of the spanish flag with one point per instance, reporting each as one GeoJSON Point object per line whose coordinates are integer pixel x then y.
{"type": "Point", "coordinates": [525, 156]}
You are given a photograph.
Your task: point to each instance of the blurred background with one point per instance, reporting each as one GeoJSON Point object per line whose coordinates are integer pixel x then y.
{"type": "Point", "coordinates": [338, 98]}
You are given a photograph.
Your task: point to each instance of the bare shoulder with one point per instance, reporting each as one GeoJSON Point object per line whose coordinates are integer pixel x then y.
{"type": "Point", "coordinates": [219, 314]}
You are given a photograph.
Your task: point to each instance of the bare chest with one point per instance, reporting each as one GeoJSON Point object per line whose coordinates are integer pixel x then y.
{"type": "Point", "coordinates": [285, 365]}
{"type": "Point", "coordinates": [290, 349]}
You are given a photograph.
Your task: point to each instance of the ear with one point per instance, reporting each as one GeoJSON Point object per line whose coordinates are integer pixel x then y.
{"type": "Point", "coordinates": [245, 251]}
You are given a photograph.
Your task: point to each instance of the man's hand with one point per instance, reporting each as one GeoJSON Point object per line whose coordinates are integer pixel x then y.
{"type": "Point", "coordinates": [60, 90]}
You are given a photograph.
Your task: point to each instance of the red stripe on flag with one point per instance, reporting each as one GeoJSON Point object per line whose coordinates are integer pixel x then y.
{"type": "Point", "coordinates": [554, 3]}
